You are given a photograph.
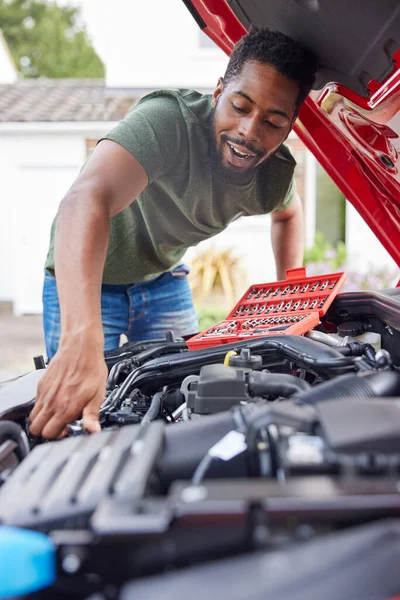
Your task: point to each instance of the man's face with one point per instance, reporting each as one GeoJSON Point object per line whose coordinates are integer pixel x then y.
{"type": "Point", "coordinates": [252, 115]}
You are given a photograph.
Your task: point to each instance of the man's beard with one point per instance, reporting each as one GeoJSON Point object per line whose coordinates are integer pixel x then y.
{"type": "Point", "coordinates": [219, 170]}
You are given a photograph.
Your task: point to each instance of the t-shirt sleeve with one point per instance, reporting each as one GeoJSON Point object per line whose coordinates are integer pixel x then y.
{"type": "Point", "coordinates": [288, 198]}
{"type": "Point", "coordinates": [153, 132]}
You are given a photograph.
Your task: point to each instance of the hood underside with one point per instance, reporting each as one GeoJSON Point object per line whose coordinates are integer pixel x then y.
{"type": "Point", "coordinates": [351, 120]}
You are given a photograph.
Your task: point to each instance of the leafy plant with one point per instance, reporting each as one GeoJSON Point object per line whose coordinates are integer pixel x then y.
{"type": "Point", "coordinates": [323, 251]}
{"type": "Point", "coordinates": [209, 315]}
{"type": "Point", "coordinates": [49, 40]}
{"type": "Point", "coordinates": [216, 277]}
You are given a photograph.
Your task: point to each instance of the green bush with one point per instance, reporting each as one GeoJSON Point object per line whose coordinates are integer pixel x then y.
{"type": "Point", "coordinates": [209, 315]}
{"type": "Point", "coordinates": [324, 251]}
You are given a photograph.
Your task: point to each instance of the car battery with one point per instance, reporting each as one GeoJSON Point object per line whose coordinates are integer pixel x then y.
{"type": "Point", "coordinates": [289, 307]}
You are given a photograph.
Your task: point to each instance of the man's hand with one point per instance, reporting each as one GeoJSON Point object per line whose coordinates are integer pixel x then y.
{"type": "Point", "coordinates": [73, 385]}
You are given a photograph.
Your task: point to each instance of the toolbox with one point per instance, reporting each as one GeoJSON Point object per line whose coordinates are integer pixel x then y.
{"type": "Point", "coordinates": [289, 307]}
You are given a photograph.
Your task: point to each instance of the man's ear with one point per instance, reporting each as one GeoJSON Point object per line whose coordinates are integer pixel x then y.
{"type": "Point", "coordinates": [217, 92]}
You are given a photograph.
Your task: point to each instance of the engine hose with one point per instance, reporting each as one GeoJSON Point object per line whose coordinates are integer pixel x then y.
{"type": "Point", "coordinates": [258, 418]}
{"type": "Point", "coordinates": [369, 353]}
{"type": "Point", "coordinates": [185, 445]}
{"type": "Point", "coordinates": [346, 346]}
{"type": "Point", "coordinates": [168, 348]}
{"type": "Point", "coordinates": [142, 357]}
{"type": "Point", "coordinates": [13, 432]}
{"type": "Point", "coordinates": [130, 350]}
{"type": "Point", "coordinates": [307, 354]}
{"type": "Point", "coordinates": [155, 377]}
{"type": "Point", "coordinates": [275, 384]}
{"type": "Point", "coordinates": [356, 348]}
{"type": "Point", "coordinates": [365, 385]}
{"type": "Point", "coordinates": [324, 338]}
{"type": "Point", "coordinates": [154, 409]}
{"type": "Point", "coordinates": [115, 372]}
{"type": "Point", "coordinates": [110, 403]}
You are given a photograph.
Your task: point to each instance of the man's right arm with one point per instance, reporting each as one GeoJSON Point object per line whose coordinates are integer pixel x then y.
{"type": "Point", "coordinates": [75, 379]}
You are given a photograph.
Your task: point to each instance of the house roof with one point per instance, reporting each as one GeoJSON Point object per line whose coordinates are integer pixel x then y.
{"type": "Point", "coordinates": [61, 100]}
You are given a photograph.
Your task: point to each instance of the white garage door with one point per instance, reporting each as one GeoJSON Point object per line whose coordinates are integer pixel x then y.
{"type": "Point", "coordinates": [40, 191]}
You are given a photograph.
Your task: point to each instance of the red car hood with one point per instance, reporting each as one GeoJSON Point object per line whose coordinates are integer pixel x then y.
{"type": "Point", "coordinates": [351, 121]}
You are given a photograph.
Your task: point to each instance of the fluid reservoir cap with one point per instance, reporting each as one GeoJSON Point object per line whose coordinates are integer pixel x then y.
{"type": "Point", "coordinates": [246, 360]}
{"type": "Point", "coordinates": [352, 328]}
{"type": "Point", "coordinates": [27, 561]}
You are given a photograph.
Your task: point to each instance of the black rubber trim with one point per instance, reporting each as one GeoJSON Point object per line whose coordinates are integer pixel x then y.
{"type": "Point", "coordinates": [361, 305]}
{"type": "Point", "coordinates": [194, 14]}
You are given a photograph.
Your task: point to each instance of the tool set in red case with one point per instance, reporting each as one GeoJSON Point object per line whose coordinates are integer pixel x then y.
{"type": "Point", "coordinates": [289, 307]}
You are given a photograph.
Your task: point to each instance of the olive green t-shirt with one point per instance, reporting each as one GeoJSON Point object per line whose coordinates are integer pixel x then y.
{"type": "Point", "coordinates": [168, 132]}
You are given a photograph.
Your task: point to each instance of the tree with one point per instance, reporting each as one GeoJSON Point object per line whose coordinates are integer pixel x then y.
{"type": "Point", "coordinates": [49, 40]}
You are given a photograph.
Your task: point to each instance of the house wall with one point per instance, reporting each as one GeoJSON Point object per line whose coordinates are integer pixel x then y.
{"type": "Point", "coordinates": [37, 169]}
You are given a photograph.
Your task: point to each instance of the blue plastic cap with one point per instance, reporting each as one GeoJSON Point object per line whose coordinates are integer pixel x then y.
{"type": "Point", "coordinates": [27, 561]}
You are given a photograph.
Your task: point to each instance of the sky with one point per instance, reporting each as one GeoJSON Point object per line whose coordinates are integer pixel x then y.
{"type": "Point", "coordinates": [128, 36]}
{"type": "Point", "coordinates": [96, 14]}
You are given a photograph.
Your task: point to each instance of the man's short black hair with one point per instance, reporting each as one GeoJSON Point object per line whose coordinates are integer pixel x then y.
{"type": "Point", "coordinates": [283, 53]}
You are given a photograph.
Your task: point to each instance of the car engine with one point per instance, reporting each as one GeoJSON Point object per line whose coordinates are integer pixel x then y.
{"type": "Point", "coordinates": [238, 448]}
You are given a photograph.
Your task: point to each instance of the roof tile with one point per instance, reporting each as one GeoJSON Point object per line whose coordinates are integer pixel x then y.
{"type": "Point", "coordinates": [61, 100]}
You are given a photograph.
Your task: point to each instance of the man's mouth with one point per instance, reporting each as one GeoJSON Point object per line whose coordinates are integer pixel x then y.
{"type": "Point", "coordinates": [239, 151]}
{"type": "Point", "coordinates": [240, 156]}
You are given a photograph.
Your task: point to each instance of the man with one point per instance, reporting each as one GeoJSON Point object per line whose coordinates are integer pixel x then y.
{"type": "Point", "coordinates": [177, 170]}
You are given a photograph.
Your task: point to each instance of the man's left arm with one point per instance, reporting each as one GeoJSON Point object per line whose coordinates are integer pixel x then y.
{"type": "Point", "coordinates": [287, 235]}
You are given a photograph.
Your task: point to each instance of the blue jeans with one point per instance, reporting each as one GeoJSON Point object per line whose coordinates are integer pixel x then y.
{"type": "Point", "coordinates": [142, 311]}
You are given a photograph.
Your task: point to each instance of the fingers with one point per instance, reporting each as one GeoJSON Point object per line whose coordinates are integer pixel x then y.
{"type": "Point", "coordinates": [64, 394]}
{"type": "Point", "coordinates": [42, 410]}
{"type": "Point", "coordinates": [51, 423]}
{"type": "Point", "coordinates": [54, 427]}
{"type": "Point", "coordinates": [35, 410]}
{"type": "Point", "coordinates": [91, 418]}
{"type": "Point", "coordinates": [38, 421]}
{"type": "Point", "coordinates": [90, 413]}
{"type": "Point", "coordinates": [38, 406]}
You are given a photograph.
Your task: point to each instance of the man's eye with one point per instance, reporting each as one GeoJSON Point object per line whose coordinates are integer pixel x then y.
{"type": "Point", "coordinates": [273, 125]}
{"type": "Point", "coordinates": [238, 109]}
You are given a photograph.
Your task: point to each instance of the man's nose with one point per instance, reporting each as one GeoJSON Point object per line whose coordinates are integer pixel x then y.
{"type": "Point", "coordinates": [250, 129]}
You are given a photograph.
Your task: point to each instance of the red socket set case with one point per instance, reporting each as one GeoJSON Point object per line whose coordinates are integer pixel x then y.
{"type": "Point", "coordinates": [290, 307]}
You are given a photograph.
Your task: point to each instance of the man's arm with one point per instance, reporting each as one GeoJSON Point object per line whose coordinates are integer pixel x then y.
{"type": "Point", "coordinates": [287, 235]}
{"type": "Point", "coordinates": [75, 379]}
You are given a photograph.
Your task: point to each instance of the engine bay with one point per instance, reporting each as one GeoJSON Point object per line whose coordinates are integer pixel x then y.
{"type": "Point", "coordinates": [241, 447]}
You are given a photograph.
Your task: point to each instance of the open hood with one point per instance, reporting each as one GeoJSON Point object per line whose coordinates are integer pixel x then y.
{"type": "Point", "coordinates": [351, 121]}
